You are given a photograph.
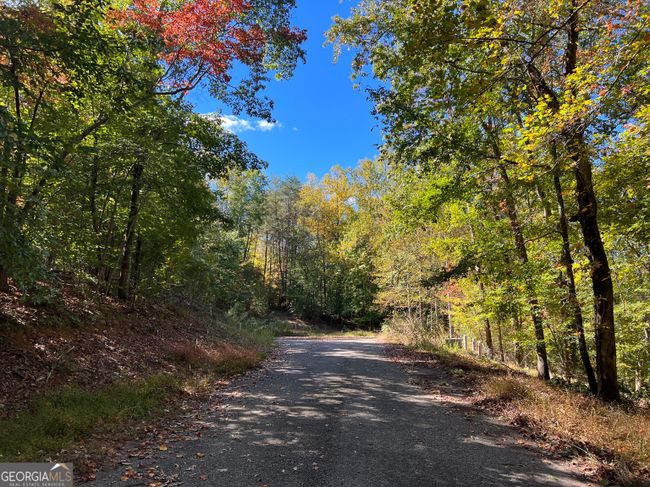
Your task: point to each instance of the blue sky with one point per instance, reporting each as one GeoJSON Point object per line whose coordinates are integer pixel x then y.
{"type": "Point", "coordinates": [322, 120]}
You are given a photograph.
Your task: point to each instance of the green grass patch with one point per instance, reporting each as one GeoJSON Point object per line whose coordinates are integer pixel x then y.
{"type": "Point", "coordinates": [281, 328]}
{"type": "Point", "coordinates": [333, 334]}
{"type": "Point", "coordinates": [251, 334]}
{"type": "Point", "coordinates": [358, 333]}
{"type": "Point", "coordinates": [58, 419]}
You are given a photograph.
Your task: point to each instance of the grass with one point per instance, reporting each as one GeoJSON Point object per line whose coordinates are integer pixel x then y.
{"type": "Point", "coordinates": [334, 334]}
{"type": "Point", "coordinates": [58, 419]}
{"type": "Point", "coordinates": [357, 333]}
{"type": "Point", "coordinates": [281, 328]}
{"type": "Point", "coordinates": [62, 418]}
{"type": "Point", "coordinates": [257, 336]}
{"type": "Point", "coordinates": [261, 333]}
{"type": "Point", "coordinates": [96, 410]}
{"type": "Point", "coordinates": [615, 437]}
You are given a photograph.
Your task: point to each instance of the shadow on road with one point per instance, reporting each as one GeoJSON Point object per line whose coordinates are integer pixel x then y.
{"type": "Point", "coordinates": [340, 413]}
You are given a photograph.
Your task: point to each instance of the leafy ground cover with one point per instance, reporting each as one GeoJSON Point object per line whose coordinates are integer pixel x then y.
{"type": "Point", "coordinates": [102, 373]}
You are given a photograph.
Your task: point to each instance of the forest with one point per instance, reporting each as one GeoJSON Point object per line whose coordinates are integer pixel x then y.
{"type": "Point", "coordinates": [510, 201]}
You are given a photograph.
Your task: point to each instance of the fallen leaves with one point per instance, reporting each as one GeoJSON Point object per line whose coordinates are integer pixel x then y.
{"type": "Point", "coordinates": [129, 474]}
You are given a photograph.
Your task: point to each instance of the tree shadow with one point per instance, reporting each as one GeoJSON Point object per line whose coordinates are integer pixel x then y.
{"type": "Point", "coordinates": [341, 413]}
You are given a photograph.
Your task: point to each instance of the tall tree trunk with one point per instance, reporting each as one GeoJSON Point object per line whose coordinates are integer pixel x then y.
{"type": "Point", "coordinates": [124, 285]}
{"type": "Point", "coordinates": [516, 324]}
{"type": "Point", "coordinates": [647, 354]}
{"type": "Point", "coordinates": [520, 245]}
{"type": "Point", "coordinates": [601, 281]}
{"type": "Point", "coordinates": [97, 268]}
{"type": "Point", "coordinates": [137, 265]}
{"type": "Point", "coordinates": [4, 279]}
{"type": "Point", "coordinates": [107, 270]}
{"type": "Point", "coordinates": [19, 151]}
{"type": "Point", "coordinates": [572, 296]}
{"type": "Point", "coordinates": [4, 275]}
{"type": "Point", "coordinates": [486, 321]}
{"type": "Point", "coordinates": [601, 278]}
{"type": "Point", "coordinates": [500, 337]}
{"type": "Point", "coordinates": [488, 337]}
{"type": "Point", "coordinates": [8, 189]}
{"type": "Point", "coordinates": [546, 206]}
{"type": "Point", "coordinates": [249, 237]}
{"type": "Point", "coordinates": [266, 254]}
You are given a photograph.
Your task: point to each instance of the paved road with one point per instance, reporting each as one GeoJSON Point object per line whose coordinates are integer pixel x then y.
{"type": "Point", "coordinates": [338, 413]}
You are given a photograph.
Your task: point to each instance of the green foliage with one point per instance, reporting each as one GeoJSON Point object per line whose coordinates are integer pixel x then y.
{"type": "Point", "coordinates": [54, 421]}
{"type": "Point", "coordinates": [512, 189]}
{"type": "Point", "coordinates": [498, 107]}
{"type": "Point", "coordinates": [103, 169]}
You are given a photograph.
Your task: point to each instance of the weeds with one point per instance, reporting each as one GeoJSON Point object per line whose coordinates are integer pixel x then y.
{"type": "Point", "coordinates": [617, 436]}
{"type": "Point", "coordinates": [358, 333]}
{"type": "Point", "coordinates": [506, 389]}
{"type": "Point", "coordinates": [58, 419]}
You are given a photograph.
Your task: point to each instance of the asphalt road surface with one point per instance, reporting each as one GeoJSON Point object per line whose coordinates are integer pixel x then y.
{"type": "Point", "coordinates": [338, 413]}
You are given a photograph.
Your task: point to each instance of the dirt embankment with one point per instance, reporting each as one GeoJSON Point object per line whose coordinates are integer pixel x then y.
{"type": "Point", "coordinates": [83, 375]}
{"type": "Point", "coordinates": [91, 342]}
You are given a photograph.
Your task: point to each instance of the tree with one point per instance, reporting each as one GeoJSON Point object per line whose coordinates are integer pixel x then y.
{"type": "Point", "coordinates": [69, 70]}
{"type": "Point", "coordinates": [530, 63]}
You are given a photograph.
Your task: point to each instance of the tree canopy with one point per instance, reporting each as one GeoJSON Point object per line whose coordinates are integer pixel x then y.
{"type": "Point", "coordinates": [509, 202]}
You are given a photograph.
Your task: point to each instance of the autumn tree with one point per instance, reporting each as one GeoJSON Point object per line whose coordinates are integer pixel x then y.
{"type": "Point", "coordinates": [71, 70]}
{"type": "Point", "coordinates": [567, 69]}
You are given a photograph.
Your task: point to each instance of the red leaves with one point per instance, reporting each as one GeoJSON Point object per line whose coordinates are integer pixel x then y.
{"type": "Point", "coordinates": [203, 36]}
{"type": "Point", "coordinates": [206, 32]}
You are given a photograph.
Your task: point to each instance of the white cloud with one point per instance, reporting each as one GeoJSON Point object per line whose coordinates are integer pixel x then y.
{"type": "Point", "coordinates": [236, 125]}
{"type": "Point", "coordinates": [265, 126]}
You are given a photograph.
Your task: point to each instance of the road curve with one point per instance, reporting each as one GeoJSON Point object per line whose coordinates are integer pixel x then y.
{"type": "Point", "coordinates": [339, 413]}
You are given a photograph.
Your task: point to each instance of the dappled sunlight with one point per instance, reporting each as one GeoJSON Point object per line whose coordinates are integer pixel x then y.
{"type": "Point", "coordinates": [168, 213]}
{"type": "Point", "coordinates": [553, 477]}
{"type": "Point", "coordinates": [483, 440]}
{"type": "Point", "coordinates": [324, 411]}
{"type": "Point", "coordinates": [324, 393]}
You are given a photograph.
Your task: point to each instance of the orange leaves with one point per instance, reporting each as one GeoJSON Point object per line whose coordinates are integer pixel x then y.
{"type": "Point", "coordinates": [206, 34]}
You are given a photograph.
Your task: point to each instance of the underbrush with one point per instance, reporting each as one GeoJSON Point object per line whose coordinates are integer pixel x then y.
{"type": "Point", "coordinates": [252, 330]}
{"type": "Point", "coordinates": [222, 357]}
{"type": "Point", "coordinates": [58, 419]}
{"type": "Point", "coordinates": [410, 331]}
{"type": "Point", "coordinates": [357, 333]}
{"type": "Point", "coordinates": [105, 376]}
{"type": "Point", "coordinates": [615, 437]}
